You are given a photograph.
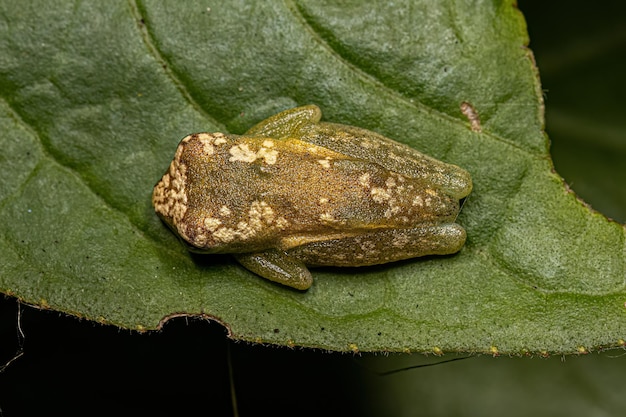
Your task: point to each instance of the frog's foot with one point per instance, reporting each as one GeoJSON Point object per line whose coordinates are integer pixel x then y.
{"type": "Point", "coordinates": [276, 265]}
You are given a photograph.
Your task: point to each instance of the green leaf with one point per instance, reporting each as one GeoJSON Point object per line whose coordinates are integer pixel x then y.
{"type": "Point", "coordinates": [96, 95]}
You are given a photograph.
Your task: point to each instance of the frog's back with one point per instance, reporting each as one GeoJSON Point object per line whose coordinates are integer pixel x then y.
{"type": "Point", "coordinates": [228, 193]}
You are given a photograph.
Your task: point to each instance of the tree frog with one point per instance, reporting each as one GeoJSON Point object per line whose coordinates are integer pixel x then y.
{"type": "Point", "coordinates": [294, 192]}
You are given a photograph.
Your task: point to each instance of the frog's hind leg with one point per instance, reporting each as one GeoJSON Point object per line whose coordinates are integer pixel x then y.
{"type": "Point", "coordinates": [278, 266]}
{"type": "Point", "coordinates": [383, 246]}
{"type": "Point", "coordinates": [286, 123]}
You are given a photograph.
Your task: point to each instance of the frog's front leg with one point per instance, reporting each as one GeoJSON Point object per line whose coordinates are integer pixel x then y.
{"type": "Point", "coordinates": [382, 246]}
{"type": "Point", "coordinates": [286, 123]}
{"type": "Point", "coordinates": [278, 266]}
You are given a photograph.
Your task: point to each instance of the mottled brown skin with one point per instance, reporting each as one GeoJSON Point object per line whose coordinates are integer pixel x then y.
{"type": "Point", "coordinates": [294, 191]}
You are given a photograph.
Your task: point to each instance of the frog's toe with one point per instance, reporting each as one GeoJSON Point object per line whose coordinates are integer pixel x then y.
{"type": "Point", "coordinates": [276, 265]}
{"type": "Point", "coordinates": [459, 185]}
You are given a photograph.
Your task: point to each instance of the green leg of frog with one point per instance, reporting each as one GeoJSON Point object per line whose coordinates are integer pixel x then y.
{"type": "Point", "coordinates": [379, 247]}
{"type": "Point", "coordinates": [286, 123]}
{"type": "Point", "coordinates": [289, 267]}
{"type": "Point", "coordinates": [277, 266]}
